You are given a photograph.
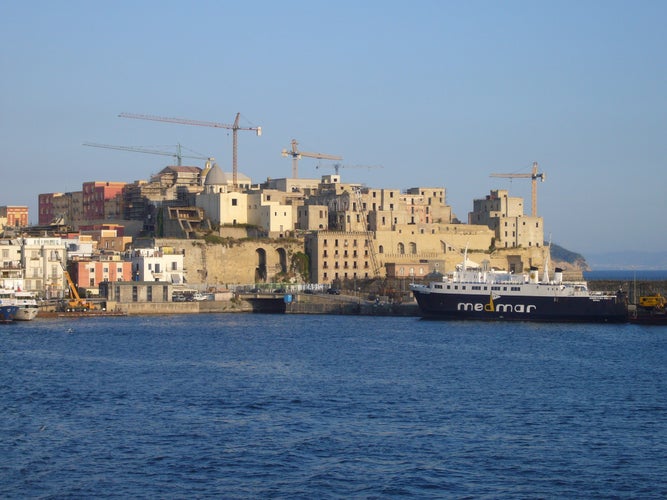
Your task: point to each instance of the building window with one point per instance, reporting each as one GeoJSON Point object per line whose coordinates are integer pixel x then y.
{"type": "Point", "coordinates": [165, 294]}
{"type": "Point", "coordinates": [234, 202]}
{"type": "Point", "coordinates": [149, 293]}
{"type": "Point", "coordinates": [135, 294]}
{"type": "Point", "coordinates": [381, 249]}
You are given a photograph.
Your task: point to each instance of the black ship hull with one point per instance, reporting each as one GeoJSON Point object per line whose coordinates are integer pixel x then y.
{"type": "Point", "coordinates": [608, 309]}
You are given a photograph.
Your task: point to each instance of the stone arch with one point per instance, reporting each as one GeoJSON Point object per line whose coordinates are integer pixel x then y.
{"type": "Point", "coordinates": [260, 270]}
{"type": "Point", "coordinates": [282, 260]}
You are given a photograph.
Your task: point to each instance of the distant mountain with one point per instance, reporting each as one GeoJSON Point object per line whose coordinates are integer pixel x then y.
{"type": "Point", "coordinates": [628, 260]}
{"type": "Point", "coordinates": [561, 257]}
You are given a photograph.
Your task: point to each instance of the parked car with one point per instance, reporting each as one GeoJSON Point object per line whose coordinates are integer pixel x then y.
{"type": "Point", "coordinates": [333, 291]}
{"type": "Point", "coordinates": [254, 290]}
{"type": "Point", "coordinates": [279, 290]}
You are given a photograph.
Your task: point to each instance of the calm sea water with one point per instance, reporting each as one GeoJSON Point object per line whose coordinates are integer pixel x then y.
{"type": "Point", "coordinates": [258, 406]}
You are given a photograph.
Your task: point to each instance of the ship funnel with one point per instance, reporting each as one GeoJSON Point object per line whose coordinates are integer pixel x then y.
{"type": "Point", "coordinates": [533, 275]}
{"type": "Point", "coordinates": [558, 275]}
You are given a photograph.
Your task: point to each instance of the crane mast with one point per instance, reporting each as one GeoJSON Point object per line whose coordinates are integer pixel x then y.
{"type": "Point", "coordinates": [297, 155]}
{"type": "Point", "coordinates": [369, 234]}
{"type": "Point", "coordinates": [534, 175]}
{"type": "Point", "coordinates": [235, 127]}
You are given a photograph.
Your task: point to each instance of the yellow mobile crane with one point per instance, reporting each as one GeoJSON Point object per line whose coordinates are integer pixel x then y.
{"type": "Point", "coordinates": [75, 302]}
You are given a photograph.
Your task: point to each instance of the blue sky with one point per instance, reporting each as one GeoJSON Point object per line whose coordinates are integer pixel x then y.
{"type": "Point", "coordinates": [438, 93]}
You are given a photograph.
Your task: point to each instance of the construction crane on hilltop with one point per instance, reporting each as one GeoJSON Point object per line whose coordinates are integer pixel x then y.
{"type": "Point", "coordinates": [296, 156]}
{"type": "Point", "coordinates": [534, 175]}
{"type": "Point", "coordinates": [178, 155]}
{"type": "Point", "coordinates": [235, 127]}
{"type": "Point", "coordinates": [338, 166]}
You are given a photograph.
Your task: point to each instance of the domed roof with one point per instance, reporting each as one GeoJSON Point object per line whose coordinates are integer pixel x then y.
{"type": "Point", "coordinates": [215, 177]}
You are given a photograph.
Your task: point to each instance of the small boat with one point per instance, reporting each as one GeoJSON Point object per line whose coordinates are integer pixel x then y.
{"type": "Point", "coordinates": [24, 301]}
{"type": "Point", "coordinates": [7, 312]}
{"type": "Point", "coordinates": [28, 307]}
{"type": "Point", "coordinates": [479, 293]}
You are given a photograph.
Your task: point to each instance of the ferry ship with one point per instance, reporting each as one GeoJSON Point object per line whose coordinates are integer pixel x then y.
{"type": "Point", "coordinates": [478, 293]}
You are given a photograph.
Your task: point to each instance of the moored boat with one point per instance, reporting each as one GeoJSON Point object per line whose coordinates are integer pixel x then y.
{"type": "Point", "coordinates": [26, 303]}
{"type": "Point", "coordinates": [7, 312]}
{"type": "Point", "coordinates": [478, 293]}
{"type": "Point", "coordinates": [28, 309]}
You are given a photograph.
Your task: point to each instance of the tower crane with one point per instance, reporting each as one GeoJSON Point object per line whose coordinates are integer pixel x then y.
{"type": "Point", "coordinates": [338, 166]}
{"type": "Point", "coordinates": [534, 175]}
{"type": "Point", "coordinates": [179, 157]}
{"type": "Point", "coordinates": [235, 127]}
{"type": "Point", "coordinates": [297, 155]}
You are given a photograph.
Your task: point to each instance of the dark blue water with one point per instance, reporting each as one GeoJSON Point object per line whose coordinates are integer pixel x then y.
{"type": "Point", "coordinates": [258, 406]}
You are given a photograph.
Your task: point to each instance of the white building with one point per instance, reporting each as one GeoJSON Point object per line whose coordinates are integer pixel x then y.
{"type": "Point", "coordinates": [11, 269]}
{"type": "Point", "coordinates": [43, 261]}
{"type": "Point", "coordinates": [222, 206]}
{"type": "Point", "coordinates": [272, 216]}
{"type": "Point", "coordinates": [157, 264]}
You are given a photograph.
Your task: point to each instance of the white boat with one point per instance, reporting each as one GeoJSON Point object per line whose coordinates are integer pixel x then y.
{"type": "Point", "coordinates": [24, 301]}
{"type": "Point", "coordinates": [28, 307]}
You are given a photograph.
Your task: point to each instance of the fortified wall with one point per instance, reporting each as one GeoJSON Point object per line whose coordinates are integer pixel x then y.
{"type": "Point", "coordinates": [237, 261]}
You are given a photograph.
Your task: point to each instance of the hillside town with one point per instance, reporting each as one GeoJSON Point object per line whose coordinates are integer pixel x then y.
{"type": "Point", "coordinates": [206, 230]}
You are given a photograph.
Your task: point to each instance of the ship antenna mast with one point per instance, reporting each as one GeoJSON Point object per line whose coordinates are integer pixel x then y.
{"type": "Point", "coordinates": [547, 262]}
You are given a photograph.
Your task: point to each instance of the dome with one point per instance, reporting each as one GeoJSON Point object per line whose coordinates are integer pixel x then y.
{"type": "Point", "coordinates": [215, 177]}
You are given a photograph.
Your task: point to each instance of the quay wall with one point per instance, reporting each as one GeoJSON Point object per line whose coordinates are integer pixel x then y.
{"type": "Point", "coordinates": [632, 288]}
{"type": "Point", "coordinates": [346, 305]}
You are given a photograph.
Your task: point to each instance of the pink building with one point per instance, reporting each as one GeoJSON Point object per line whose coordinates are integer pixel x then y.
{"type": "Point", "coordinates": [89, 274]}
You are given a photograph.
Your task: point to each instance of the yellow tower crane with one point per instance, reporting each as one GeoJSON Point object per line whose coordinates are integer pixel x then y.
{"type": "Point", "coordinates": [235, 127]}
{"type": "Point", "coordinates": [534, 175]}
{"type": "Point", "coordinates": [297, 155]}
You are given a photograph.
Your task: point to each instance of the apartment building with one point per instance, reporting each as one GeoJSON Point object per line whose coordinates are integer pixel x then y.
{"type": "Point", "coordinates": [504, 214]}
{"type": "Point", "coordinates": [13, 216]}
